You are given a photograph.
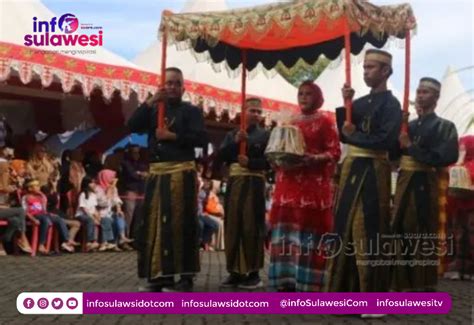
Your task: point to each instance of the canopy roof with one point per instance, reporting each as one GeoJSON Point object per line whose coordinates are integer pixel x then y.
{"type": "Point", "coordinates": [218, 89]}
{"type": "Point", "coordinates": [288, 31]}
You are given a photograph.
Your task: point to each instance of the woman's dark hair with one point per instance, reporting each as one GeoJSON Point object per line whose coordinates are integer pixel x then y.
{"type": "Point", "coordinates": [207, 190]}
{"type": "Point", "coordinates": [86, 181]}
{"type": "Point", "coordinates": [46, 189]}
{"type": "Point", "coordinates": [66, 156]}
{"type": "Point", "coordinates": [25, 183]}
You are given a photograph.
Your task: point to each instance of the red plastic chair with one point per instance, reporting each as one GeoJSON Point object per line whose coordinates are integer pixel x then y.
{"type": "Point", "coordinates": [49, 238]}
{"type": "Point", "coordinates": [34, 240]}
{"type": "Point", "coordinates": [72, 202]}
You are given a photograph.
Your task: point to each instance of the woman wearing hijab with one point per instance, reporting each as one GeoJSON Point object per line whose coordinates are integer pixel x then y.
{"type": "Point", "coordinates": [110, 206]}
{"type": "Point", "coordinates": [302, 202]}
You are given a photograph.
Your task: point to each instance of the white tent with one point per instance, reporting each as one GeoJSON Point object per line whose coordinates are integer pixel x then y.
{"type": "Point", "coordinates": [276, 88]}
{"type": "Point", "coordinates": [332, 79]}
{"type": "Point", "coordinates": [206, 5]}
{"type": "Point", "coordinates": [455, 103]}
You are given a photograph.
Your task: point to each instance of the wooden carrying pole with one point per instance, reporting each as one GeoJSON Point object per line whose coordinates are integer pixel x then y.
{"type": "Point", "coordinates": [243, 113]}
{"type": "Point", "coordinates": [161, 104]}
{"type": "Point", "coordinates": [347, 50]}
{"type": "Point", "coordinates": [406, 95]}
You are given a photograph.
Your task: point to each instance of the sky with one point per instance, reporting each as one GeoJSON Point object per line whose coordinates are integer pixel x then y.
{"type": "Point", "coordinates": [445, 33]}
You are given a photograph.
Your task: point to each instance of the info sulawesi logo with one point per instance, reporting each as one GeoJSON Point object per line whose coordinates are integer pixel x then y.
{"type": "Point", "coordinates": [60, 32]}
{"type": "Point", "coordinates": [68, 23]}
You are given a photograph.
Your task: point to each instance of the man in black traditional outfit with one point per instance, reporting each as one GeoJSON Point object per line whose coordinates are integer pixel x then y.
{"type": "Point", "coordinates": [362, 213]}
{"type": "Point", "coordinates": [244, 221]}
{"type": "Point", "coordinates": [431, 142]}
{"type": "Point", "coordinates": [169, 229]}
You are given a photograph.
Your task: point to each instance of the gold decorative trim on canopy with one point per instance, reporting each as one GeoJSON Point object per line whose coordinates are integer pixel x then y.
{"type": "Point", "coordinates": [265, 27]}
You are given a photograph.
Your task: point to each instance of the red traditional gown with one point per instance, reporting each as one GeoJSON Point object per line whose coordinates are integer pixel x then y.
{"type": "Point", "coordinates": [302, 208]}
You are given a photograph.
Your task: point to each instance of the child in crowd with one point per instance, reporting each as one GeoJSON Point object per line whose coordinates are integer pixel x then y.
{"type": "Point", "coordinates": [52, 207]}
{"type": "Point", "coordinates": [87, 212]}
{"type": "Point", "coordinates": [34, 203]}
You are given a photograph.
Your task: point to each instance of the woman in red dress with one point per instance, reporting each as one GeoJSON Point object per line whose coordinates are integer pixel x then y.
{"type": "Point", "coordinates": [461, 212]}
{"type": "Point", "coordinates": [301, 212]}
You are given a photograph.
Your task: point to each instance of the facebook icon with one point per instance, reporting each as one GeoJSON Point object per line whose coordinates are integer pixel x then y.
{"type": "Point", "coordinates": [28, 303]}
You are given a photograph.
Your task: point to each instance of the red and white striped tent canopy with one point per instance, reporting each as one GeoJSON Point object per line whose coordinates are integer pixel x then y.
{"type": "Point", "coordinates": [60, 88]}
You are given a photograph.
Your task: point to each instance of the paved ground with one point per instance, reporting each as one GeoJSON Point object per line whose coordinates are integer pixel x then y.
{"type": "Point", "coordinates": [117, 272]}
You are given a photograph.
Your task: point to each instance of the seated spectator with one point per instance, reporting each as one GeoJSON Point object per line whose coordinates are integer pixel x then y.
{"type": "Point", "coordinates": [111, 212]}
{"type": "Point", "coordinates": [215, 211]}
{"type": "Point", "coordinates": [16, 224]}
{"type": "Point", "coordinates": [87, 212]}
{"type": "Point", "coordinates": [52, 207]}
{"type": "Point", "coordinates": [208, 226]}
{"type": "Point", "coordinates": [64, 186]}
{"type": "Point", "coordinates": [14, 216]}
{"type": "Point", "coordinates": [17, 173]}
{"type": "Point", "coordinates": [56, 175]}
{"type": "Point", "coordinates": [76, 170]}
{"type": "Point", "coordinates": [39, 166]}
{"type": "Point", "coordinates": [34, 203]}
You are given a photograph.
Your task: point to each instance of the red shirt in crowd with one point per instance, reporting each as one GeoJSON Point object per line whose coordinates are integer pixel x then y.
{"type": "Point", "coordinates": [34, 204]}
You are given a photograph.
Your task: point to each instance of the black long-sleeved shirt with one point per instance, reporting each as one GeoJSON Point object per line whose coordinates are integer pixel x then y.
{"type": "Point", "coordinates": [130, 179]}
{"type": "Point", "coordinates": [183, 119]}
{"type": "Point", "coordinates": [256, 145]}
{"type": "Point", "coordinates": [434, 141]}
{"type": "Point", "coordinates": [377, 118]}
